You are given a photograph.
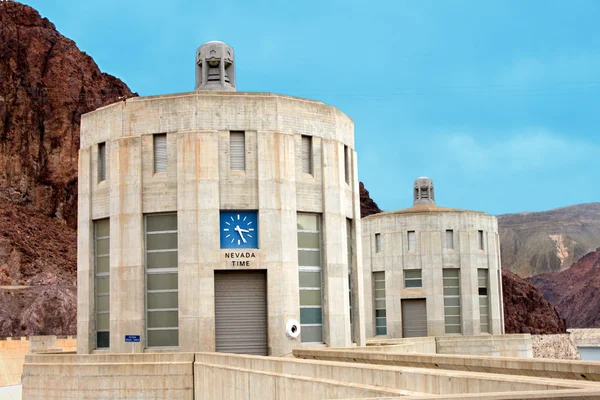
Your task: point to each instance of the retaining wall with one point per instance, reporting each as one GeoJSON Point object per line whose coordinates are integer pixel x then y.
{"type": "Point", "coordinates": [554, 346]}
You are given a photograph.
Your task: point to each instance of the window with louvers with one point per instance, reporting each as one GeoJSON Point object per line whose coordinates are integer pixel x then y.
{"type": "Point", "coordinates": [380, 309]}
{"type": "Point", "coordinates": [309, 268]}
{"type": "Point", "coordinates": [449, 239]}
{"type": "Point", "coordinates": [162, 316]}
{"type": "Point", "coordinates": [237, 151]}
{"type": "Point", "coordinates": [412, 278]}
{"type": "Point", "coordinates": [350, 256]}
{"type": "Point", "coordinates": [482, 283]}
{"type": "Point", "coordinates": [102, 281]}
{"type": "Point", "coordinates": [307, 164]}
{"type": "Point", "coordinates": [101, 162]}
{"type": "Point", "coordinates": [452, 300]}
{"type": "Point", "coordinates": [160, 153]}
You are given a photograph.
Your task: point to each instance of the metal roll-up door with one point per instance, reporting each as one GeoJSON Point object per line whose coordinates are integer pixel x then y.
{"type": "Point", "coordinates": [241, 312]}
{"type": "Point", "coordinates": [414, 318]}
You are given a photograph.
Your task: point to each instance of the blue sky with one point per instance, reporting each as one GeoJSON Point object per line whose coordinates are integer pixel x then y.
{"type": "Point", "coordinates": [497, 101]}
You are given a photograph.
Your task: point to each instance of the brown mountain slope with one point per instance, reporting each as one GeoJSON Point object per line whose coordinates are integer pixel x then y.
{"type": "Point", "coordinates": [575, 292]}
{"type": "Point", "coordinates": [38, 268]}
{"type": "Point", "coordinates": [549, 241]}
{"type": "Point", "coordinates": [367, 204]}
{"type": "Point", "coordinates": [526, 310]}
{"type": "Point", "coordinates": [46, 83]}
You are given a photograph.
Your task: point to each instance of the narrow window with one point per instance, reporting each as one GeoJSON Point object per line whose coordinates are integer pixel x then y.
{"type": "Point", "coordinates": [347, 164]}
{"type": "Point", "coordinates": [412, 241]}
{"type": "Point", "coordinates": [309, 269]}
{"type": "Point", "coordinates": [102, 282]}
{"type": "Point", "coordinates": [350, 266]}
{"type": "Point", "coordinates": [412, 278]}
{"type": "Point", "coordinates": [480, 240]}
{"type": "Point", "coordinates": [378, 244]}
{"type": "Point", "coordinates": [162, 315]}
{"type": "Point", "coordinates": [379, 296]}
{"type": "Point", "coordinates": [237, 151]}
{"type": "Point", "coordinates": [101, 162]}
{"type": "Point", "coordinates": [482, 283]}
{"type": "Point", "coordinates": [307, 162]}
{"type": "Point", "coordinates": [449, 239]}
{"type": "Point", "coordinates": [160, 153]}
{"type": "Point", "coordinates": [452, 300]}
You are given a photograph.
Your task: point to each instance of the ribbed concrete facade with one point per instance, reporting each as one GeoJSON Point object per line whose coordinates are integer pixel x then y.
{"type": "Point", "coordinates": [423, 253]}
{"type": "Point", "coordinates": [198, 186]}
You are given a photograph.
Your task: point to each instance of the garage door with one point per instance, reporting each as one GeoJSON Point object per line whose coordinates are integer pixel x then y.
{"type": "Point", "coordinates": [414, 318]}
{"type": "Point", "coordinates": [241, 312]}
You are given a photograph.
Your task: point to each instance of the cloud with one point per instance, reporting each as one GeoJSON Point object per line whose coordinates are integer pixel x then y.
{"type": "Point", "coordinates": [518, 152]}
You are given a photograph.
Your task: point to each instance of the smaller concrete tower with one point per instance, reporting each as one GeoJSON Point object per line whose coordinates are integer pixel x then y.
{"type": "Point", "coordinates": [215, 67]}
{"type": "Point", "coordinates": [424, 193]}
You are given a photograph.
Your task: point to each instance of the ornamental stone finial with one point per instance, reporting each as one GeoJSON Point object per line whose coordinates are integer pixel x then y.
{"type": "Point", "coordinates": [215, 67]}
{"type": "Point", "coordinates": [423, 191]}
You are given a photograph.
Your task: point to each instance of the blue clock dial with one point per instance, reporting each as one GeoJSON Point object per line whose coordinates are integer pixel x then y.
{"type": "Point", "coordinates": [239, 230]}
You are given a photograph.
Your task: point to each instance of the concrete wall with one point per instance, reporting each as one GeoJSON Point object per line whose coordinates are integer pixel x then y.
{"type": "Point", "coordinates": [197, 185]}
{"type": "Point", "coordinates": [517, 345]}
{"type": "Point", "coordinates": [421, 345]}
{"type": "Point", "coordinates": [585, 337]}
{"type": "Point", "coordinates": [560, 369]}
{"type": "Point", "coordinates": [431, 257]}
{"type": "Point", "coordinates": [104, 376]}
{"type": "Point", "coordinates": [13, 351]}
{"type": "Point", "coordinates": [554, 346]}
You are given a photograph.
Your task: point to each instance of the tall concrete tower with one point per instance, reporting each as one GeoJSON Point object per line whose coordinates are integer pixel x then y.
{"type": "Point", "coordinates": [423, 193]}
{"type": "Point", "coordinates": [215, 67]}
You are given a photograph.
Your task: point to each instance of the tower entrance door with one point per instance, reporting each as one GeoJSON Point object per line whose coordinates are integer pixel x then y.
{"type": "Point", "coordinates": [414, 318]}
{"type": "Point", "coordinates": [241, 312]}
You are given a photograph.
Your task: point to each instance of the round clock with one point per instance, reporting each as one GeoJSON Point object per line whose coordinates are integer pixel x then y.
{"type": "Point", "coordinates": [239, 230]}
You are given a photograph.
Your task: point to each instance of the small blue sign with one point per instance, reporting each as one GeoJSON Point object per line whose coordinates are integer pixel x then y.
{"type": "Point", "coordinates": [132, 338]}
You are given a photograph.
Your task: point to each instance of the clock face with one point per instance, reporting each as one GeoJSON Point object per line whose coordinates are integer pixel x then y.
{"type": "Point", "coordinates": [239, 230]}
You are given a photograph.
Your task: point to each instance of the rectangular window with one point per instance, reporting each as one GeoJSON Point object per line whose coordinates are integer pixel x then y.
{"type": "Point", "coordinates": [480, 240]}
{"type": "Point", "coordinates": [101, 162]}
{"type": "Point", "coordinates": [162, 316]}
{"type": "Point", "coordinates": [160, 153]}
{"type": "Point", "coordinates": [482, 283]}
{"type": "Point", "coordinates": [237, 151]}
{"type": "Point", "coordinates": [412, 278]}
{"type": "Point", "coordinates": [307, 159]}
{"type": "Point", "coordinates": [350, 265]}
{"type": "Point", "coordinates": [309, 269]}
{"type": "Point", "coordinates": [379, 296]}
{"type": "Point", "coordinates": [378, 244]}
{"type": "Point", "coordinates": [449, 239]}
{"type": "Point", "coordinates": [412, 241]}
{"type": "Point", "coordinates": [102, 281]}
{"type": "Point", "coordinates": [347, 164]}
{"type": "Point", "coordinates": [452, 300]}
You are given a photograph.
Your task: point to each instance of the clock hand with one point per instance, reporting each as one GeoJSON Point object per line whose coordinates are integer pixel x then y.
{"type": "Point", "coordinates": [239, 230]}
{"type": "Point", "coordinates": [244, 230]}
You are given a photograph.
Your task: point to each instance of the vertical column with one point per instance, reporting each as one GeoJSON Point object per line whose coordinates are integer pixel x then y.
{"type": "Point", "coordinates": [278, 234]}
{"type": "Point", "coordinates": [85, 265]}
{"type": "Point", "coordinates": [127, 278]}
{"type": "Point", "coordinates": [207, 153]}
{"type": "Point", "coordinates": [335, 265]}
{"type": "Point", "coordinates": [187, 226]}
{"type": "Point", "coordinates": [469, 292]}
{"type": "Point", "coordinates": [494, 287]}
{"type": "Point", "coordinates": [358, 282]}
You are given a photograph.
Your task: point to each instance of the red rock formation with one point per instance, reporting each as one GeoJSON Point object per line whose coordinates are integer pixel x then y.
{"type": "Point", "coordinates": [525, 309]}
{"type": "Point", "coordinates": [367, 204]}
{"type": "Point", "coordinates": [575, 292]}
{"type": "Point", "coordinates": [38, 268]}
{"type": "Point", "coordinates": [46, 83]}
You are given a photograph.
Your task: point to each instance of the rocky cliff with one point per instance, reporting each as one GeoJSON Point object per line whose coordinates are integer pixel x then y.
{"type": "Point", "coordinates": [575, 292]}
{"type": "Point", "coordinates": [367, 204]}
{"type": "Point", "coordinates": [526, 310]}
{"type": "Point", "coordinates": [46, 84]}
{"type": "Point", "coordinates": [549, 241]}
